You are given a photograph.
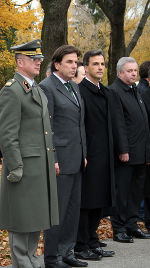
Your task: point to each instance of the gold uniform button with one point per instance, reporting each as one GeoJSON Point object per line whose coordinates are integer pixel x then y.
{"type": "Point", "coordinates": [50, 116]}
{"type": "Point", "coordinates": [48, 149]}
{"type": "Point", "coordinates": [53, 149]}
{"type": "Point", "coordinates": [46, 132]}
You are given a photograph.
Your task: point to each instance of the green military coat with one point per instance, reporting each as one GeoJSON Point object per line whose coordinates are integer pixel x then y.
{"type": "Point", "coordinates": [25, 140]}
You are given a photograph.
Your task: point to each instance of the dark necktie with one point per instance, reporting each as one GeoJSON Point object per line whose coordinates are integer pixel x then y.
{"type": "Point", "coordinates": [134, 90]}
{"type": "Point", "coordinates": [70, 90]}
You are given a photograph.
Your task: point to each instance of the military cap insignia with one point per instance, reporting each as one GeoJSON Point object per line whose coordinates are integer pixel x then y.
{"type": "Point", "coordinates": [26, 85]}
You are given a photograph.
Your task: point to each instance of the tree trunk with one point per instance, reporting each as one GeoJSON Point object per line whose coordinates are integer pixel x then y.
{"type": "Point", "coordinates": [115, 12]}
{"type": "Point", "coordinates": [54, 30]}
{"type": "Point", "coordinates": [116, 49]}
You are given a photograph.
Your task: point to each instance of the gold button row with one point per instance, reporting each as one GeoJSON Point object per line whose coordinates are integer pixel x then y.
{"type": "Point", "coordinates": [47, 133]}
{"type": "Point", "coordinates": [48, 149]}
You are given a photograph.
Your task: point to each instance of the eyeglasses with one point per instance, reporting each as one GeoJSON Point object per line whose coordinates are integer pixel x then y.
{"type": "Point", "coordinates": [36, 59]}
{"type": "Point", "coordinates": [32, 59]}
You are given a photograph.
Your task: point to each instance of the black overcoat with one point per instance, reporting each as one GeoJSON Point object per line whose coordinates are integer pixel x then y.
{"type": "Point", "coordinates": [143, 85]}
{"type": "Point", "coordinates": [146, 97]}
{"type": "Point", "coordinates": [130, 123]}
{"type": "Point", "coordinates": [98, 180]}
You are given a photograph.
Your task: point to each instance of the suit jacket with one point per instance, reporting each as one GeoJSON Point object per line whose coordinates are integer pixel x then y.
{"type": "Point", "coordinates": [130, 123]}
{"type": "Point", "coordinates": [25, 140]}
{"type": "Point", "coordinates": [67, 120]}
{"type": "Point", "coordinates": [98, 187]}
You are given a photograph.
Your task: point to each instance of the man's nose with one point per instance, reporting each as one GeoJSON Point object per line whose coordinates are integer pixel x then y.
{"type": "Point", "coordinates": [74, 65]}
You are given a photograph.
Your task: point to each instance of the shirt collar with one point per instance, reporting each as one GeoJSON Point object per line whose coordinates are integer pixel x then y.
{"type": "Point", "coordinates": [98, 85]}
{"type": "Point", "coordinates": [62, 80]}
{"type": "Point", "coordinates": [30, 82]}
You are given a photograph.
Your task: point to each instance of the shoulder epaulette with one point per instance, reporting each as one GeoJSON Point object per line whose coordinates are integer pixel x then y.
{"type": "Point", "coordinates": [10, 82]}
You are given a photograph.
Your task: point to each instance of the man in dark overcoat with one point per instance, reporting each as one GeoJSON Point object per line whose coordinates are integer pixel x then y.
{"type": "Point", "coordinates": [28, 191]}
{"type": "Point", "coordinates": [132, 145]}
{"type": "Point", "coordinates": [144, 88]}
{"type": "Point", "coordinates": [144, 82]}
{"type": "Point", "coordinates": [67, 119]}
{"type": "Point", "coordinates": [98, 180]}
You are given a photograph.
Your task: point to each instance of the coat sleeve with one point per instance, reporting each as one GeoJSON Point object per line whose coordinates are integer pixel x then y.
{"type": "Point", "coordinates": [83, 128]}
{"type": "Point", "coordinates": [118, 125]}
{"type": "Point", "coordinates": [10, 116]}
{"type": "Point", "coordinates": [50, 98]}
{"type": "Point", "coordinates": [146, 98]}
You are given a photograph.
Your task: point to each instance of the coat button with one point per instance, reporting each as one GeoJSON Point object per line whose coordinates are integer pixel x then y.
{"type": "Point", "coordinates": [48, 149]}
{"type": "Point", "coordinates": [53, 149]}
{"type": "Point", "coordinates": [46, 132]}
{"type": "Point", "coordinates": [50, 116]}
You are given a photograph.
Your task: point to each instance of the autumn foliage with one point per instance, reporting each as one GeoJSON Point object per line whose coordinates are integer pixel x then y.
{"type": "Point", "coordinates": [17, 25]}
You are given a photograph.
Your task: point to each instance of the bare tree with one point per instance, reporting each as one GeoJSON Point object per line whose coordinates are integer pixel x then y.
{"type": "Point", "coordinates": [55, 30]}
{"type": "Point", "coordinates": [115, 12]}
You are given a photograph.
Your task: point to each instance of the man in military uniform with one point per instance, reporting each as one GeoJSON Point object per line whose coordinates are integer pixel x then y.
{"type": "Point", "coordinates": [28, 197]}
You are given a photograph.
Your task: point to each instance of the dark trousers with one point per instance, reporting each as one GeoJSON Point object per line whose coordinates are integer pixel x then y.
{"type": "Point", "coordinates": [88, 224]}
{"type": "Point", "coordinates": [147, 212]}
{"type": "Point", "coordinates": [130, 190]}
{"type": "Point", "coordinates": [60, 240]}
{"type": "Point", "coordinates": [147, 199]}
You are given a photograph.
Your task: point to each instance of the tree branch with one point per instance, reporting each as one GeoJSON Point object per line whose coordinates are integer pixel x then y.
{"type": "Point", "coordinates": [139, 29]}
{"type": "Point", "coordinates": [28, 2]}
{"type": "Point", "coordinates": [111, 9]}
{"type": "Point", "coordinates": [104, 5]}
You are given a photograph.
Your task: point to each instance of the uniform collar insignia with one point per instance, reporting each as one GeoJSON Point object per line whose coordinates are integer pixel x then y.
{"type": "Point", "coordinates": [27, 86]}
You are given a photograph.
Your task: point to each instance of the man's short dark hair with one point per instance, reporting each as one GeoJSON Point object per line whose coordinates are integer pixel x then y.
{"type": "Point", "coordinates": [144, 69]}
{"type": "Point", "coordinates": [91, 53]}
{"type": "Point", "coordinates": [61, 52]}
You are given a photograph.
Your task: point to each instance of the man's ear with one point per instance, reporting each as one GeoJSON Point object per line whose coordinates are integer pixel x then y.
{"type": "Point", "coordinates": [86, 68]}
{"type": "Point", "coordinates": [20, 62]}
{"type": "Point", "coordinates": [57, 64]}
{"type": "Point", "coordinates": [148, 80]}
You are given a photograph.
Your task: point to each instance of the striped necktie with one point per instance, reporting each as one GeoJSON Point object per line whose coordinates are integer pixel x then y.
{"type": "Point", "coordinates": [70, 90]}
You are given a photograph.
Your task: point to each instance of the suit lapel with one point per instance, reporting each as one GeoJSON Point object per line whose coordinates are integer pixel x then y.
{"type": "Point", "coordinates": [76, 91]}
{"type": "Point", "coordinates": [63, 90]}
{"type": "Point", "coordinates": [43, 99]}
{"type": "Point", "coordinates": [35, 95]}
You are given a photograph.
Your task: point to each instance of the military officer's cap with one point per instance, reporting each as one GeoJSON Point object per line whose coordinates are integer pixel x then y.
{"type": "Point", "coordinates": [31, 49]}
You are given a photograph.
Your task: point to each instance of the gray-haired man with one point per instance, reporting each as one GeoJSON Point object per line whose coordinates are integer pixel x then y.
{"type": "Point", "coordinates": [131, 135]}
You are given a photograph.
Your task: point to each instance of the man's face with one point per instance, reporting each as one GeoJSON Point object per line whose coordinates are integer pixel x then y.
{"type": "Point", "coordinates": [95, 69]}
{"type": "Point", "coordinates": [29, 67]}
{"type": "Point", "coordinates": [80, 75]}
{"type": "Point", "coordinates": [66, 69]}
{"type": "Point", "coordinates": [129, 73]}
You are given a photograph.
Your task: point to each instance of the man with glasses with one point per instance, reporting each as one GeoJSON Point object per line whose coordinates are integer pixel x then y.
{"type": "Point", "coordinates": [28, 196]}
